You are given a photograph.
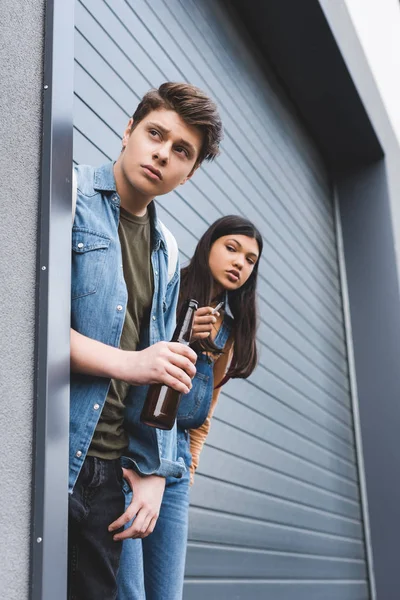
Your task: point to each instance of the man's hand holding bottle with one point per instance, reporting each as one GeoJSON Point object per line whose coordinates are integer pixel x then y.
{"type": "Point", "coordinates": [168, 363]}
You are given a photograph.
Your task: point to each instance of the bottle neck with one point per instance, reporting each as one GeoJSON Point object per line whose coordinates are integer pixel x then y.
{"type": "Point", "coordinates": [183, 331]}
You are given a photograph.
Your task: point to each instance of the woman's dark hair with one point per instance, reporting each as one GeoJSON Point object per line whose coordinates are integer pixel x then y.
{"type": "Point", "coordinates": [197, 282]}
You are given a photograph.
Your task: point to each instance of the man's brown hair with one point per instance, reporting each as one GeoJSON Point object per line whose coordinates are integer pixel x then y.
{"type": "Point", "coordinates": [193, 106]}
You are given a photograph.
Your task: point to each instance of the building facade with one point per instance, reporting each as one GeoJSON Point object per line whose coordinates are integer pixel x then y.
{"type": "Point", "coordinates": [295, 496]}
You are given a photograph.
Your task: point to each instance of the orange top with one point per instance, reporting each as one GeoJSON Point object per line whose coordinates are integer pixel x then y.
{"type": "Point", "coordinates": [198, 436]}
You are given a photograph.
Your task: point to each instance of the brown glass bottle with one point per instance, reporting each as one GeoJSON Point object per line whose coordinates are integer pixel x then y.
{"type": "Point", "coordinates": [161, 405]}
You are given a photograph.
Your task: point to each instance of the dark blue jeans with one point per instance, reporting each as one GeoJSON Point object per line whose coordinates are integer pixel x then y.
{"type": "Point", "coordinates": [93, 556]}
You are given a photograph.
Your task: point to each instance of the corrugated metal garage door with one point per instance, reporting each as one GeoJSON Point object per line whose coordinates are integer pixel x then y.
{"type": "Point", "coordinates": [276, 508]}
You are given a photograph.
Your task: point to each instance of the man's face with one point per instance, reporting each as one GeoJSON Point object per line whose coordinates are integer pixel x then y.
{"type": "Point", "coordinates": [160, 153]}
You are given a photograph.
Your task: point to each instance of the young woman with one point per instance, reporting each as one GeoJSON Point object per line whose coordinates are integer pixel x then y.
{"type": "Point", "coordinates": [223, 269]}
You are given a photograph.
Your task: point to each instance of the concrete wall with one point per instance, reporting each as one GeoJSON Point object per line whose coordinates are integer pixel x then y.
{"type": "Point", "coordinates": [378, 28]}
{"type": "Point", "coordinates": [21, 35]}
{"type": "Point", "coordinates": [368, 34]}
{"type": "Point", "coordinates": [369, 199]}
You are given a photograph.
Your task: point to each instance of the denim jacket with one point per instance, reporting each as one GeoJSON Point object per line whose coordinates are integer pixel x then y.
{"type": "Point", "coordinates": [195, 406]}
{"type": "Point", "coordinates": [98, 304]}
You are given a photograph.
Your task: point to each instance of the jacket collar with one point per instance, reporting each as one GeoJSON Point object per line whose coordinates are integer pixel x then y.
{"type": "Point", "coordinates": [104, 180]}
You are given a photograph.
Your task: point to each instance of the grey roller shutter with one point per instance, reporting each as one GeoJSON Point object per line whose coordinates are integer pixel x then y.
{"type": "Point", "coordinates": [275, 510]}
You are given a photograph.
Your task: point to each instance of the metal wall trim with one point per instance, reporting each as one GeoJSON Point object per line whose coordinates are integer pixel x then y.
{"type": "Point", "coordinates": [354, 395]}
{"type": "Point", "coordinates": [51, 425]}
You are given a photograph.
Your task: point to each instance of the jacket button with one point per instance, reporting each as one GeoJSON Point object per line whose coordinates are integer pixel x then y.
{"type": "Point", "coordinates": [119, 307]}
{"type": "Point", "coordinates": [96, 406]}
{"type": "Point", "coordinates": [153, 317]}
{"type": "Point", "coordinates": [79, 454]}
{"type": "Point", "coordinates": [80, 245]}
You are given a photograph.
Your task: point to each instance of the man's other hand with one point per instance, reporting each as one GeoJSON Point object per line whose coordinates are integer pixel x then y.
{"type": "Point", "coordinates": [147, 494]}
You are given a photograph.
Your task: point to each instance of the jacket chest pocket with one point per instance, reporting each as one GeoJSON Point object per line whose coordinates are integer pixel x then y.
{"type": "Point", "coordinates": [89, 252]}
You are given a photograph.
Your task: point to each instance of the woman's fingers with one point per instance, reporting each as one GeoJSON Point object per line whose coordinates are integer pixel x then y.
{"type": "Point", "coordinates": [196, 335]}
{"type": "Point", "coordinates": [200, 336]}
{"type": "Point", "coordinates": [203, 327]}
{"type": "Point", "coordinates": [204, 310]}
{"type": "Point", "coordinates": [205, 320]}
{"type": "Point", "coordinates": [203, 323]}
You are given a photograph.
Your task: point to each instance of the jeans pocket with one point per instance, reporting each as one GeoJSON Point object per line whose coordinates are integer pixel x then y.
{"type": "Point", "coordinates": [126, 488]}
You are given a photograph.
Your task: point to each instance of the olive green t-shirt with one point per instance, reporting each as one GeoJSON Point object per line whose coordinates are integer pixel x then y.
{"type": "Point", "coordinates": [110, 438]}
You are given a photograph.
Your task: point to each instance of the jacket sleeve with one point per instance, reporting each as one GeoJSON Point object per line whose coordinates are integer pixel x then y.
{"type": "Point", "coordinates": [167, 440]}
{"type": "Point", "coordinates": [157, 444]}
{"type": "Point", "coordinates": [199, 436]}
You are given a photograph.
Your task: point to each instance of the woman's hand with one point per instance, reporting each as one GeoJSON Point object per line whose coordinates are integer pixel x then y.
{"type": "Point", "coordinates": [203, 323]}
{"type": "Point", "coordinates": [147, 494]}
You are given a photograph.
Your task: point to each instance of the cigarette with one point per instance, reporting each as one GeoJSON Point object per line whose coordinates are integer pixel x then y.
{"type": "Point", "coordinates": [216, 309]}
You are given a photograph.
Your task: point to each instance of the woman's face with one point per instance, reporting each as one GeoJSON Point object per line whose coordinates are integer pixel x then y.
{"type": "Point", "coordinates": [232, 259]}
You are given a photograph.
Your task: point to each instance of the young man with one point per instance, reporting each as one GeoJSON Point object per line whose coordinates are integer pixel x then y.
{"type": "Point", "coordinates": [124, 297]}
